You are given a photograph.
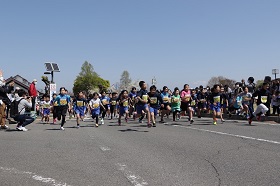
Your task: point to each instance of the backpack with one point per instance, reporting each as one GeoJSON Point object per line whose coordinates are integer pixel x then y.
{"type": "Point", "coordinates": [14, 108]}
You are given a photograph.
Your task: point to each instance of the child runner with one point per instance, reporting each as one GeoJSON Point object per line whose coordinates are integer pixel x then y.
{"type": "Point", "coordinates": [263, 96]}
{"type": "Point", "coordinates": [132, 109]}
{"type": "Point", "coordinates": [224, 103]}
{"type": "Point", "coordinates": [215, 102]}
{"type": "Point", "coordinates": [54, 108]}
{"type": "Point", "coordinates": [165, 108]}
{"type": "Point", "coordinates": [113, 104]}
{"type": "Point", "coordinates": [124, 102]}
{"type": "Point", "coordinates": [176, 103]}
{"type": "Point", "coordinates": [46, 108]}
{"type": "Point", "coordinates": [142, 103]}
{"type": "Point", "coordinates": [95, 105]}
{"type": "Point", "coordinates": [79, 105]}
{"type": "Point", "coordinates": [63, 101]}
{"type": "Point", "coordinates": [246, 99]}
{"type": "Point", "coordinates": [155, 101]}
{"type": "Point", "coordinates": [201, 99]}
{"type": "Point", "coordinates": [185, 99]}
{"type": "Point", "coordinates": [106, 105]}
{"type": "Point", "coordinates": [193, 105]}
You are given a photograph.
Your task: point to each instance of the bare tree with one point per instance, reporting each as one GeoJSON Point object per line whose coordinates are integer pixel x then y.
{"type": "Point", "coordinates": [125, 81]}
{"type": "Point", "coordinates": [221, 80]}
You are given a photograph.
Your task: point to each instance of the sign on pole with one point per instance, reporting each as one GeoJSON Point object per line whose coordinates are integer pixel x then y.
{"type": "Point", "coordinates": [52, 90]}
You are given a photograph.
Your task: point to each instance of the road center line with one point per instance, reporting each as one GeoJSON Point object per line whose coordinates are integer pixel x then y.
{"type": "Point", "coordinates": [134, 179]}
{"type": "Point", "coordinates": [34, 176]}
{"type": "Point", "coordinates": [229, 134]}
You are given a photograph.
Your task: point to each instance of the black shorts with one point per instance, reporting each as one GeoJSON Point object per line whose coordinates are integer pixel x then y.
{"type": "Point", "coordinates": [185, 106]}
{"type": "Point", "coordinates": [61, 111]}
{"type": "Point", "coordinates": [112, 108]}
{"type": "Point", "coordinates": [165, 106]}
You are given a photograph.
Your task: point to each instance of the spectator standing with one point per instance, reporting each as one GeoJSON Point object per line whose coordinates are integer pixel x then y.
{"type": "Point", "coordinates": [33, 94]}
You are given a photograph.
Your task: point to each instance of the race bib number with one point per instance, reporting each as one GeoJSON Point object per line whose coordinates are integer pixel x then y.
{"type": "Point", "coordinates": [187, 98]}
{"type": "Point", "coordinates": [165, 99]}
{"type": "Point", "coordinates": [47, 106]}
{"type": "Point", "coordinates": [176, 100]}
{"type": "Point", "coordinates": [263, 99]}
{"type": "Point", "coordinates": [145, 97]}
{"type": "Point", "coordinates": [153, 100]}
{"type": "Point", "coordinates": [114, 103]}
{"type": "Point", "coordinates": [63, 102]}
{"type": "Point", "coordinates": [193, 103]}
{"type": "Point", "coordinates": [125, 104]}
{"type": "Point", "coordinates": [104, 102]}
{"type": "Point", "coordinates": [80, 103]}
{"type": "Point", "coordinates": [95, 105]}
{"type": "Point", "coordinates": [217, 99]}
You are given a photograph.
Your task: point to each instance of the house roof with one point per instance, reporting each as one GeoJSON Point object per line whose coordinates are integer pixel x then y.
{"type": "Point", "coordinates": [15, 79]}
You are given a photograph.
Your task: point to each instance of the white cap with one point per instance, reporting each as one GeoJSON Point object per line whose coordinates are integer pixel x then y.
{"type": "Point", "coordinates": [34, 80]}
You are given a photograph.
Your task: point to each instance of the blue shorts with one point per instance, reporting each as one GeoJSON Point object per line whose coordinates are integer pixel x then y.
{"type": "Point", "coordinates": [216, 108]}
{"type": "Point", "coordinates": [123, 110]}
{"type": "Point", "coordinates": [46, 111]}
{"type": "Point", "coordinates": [80, 111]}
{"type": "Point", "coordinates": [141, 108]}
{"type": "Point", "coordinates": [95, 112]}
{"type": "Point", "coordinates": [154, 110]}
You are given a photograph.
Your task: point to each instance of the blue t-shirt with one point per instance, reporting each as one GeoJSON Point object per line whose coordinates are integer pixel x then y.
{"type": "Point", "coordinates": [62, 100]}
{"type": "Point", "coordinates": [105, 100]}
{"type": "Point", "coordinates": [165, 97]}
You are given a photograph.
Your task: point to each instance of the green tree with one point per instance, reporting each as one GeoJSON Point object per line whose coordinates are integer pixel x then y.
{"type": "Point", "coordinates": [125, 81]}
{"type": "Point", "coordinates": [88, 80]}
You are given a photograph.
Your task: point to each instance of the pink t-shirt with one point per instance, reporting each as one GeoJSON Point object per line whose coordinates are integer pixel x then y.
{"type": "Point", "coordinates": [184, 94]}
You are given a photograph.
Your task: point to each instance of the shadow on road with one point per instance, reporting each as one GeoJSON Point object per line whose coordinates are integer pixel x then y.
{"type": "Point", "coordinates": [132, 130]}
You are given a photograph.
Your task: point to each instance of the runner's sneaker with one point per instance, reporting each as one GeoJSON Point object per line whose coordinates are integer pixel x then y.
{"type": "Point", "coordinates": [78, 126]}
{"type": "Point", "coordinates": [222, 120]}
{"type": "Point", "coordinates": [4, 127]}
{"type": "Point", "coordinates": [250, 120]}
{"type": "Point", "coordinates": [215, 122]}
{"type": "Point", "coordinates": [154, 125]}
{"type": "Point", "coordinates": [259, 118]}
{"type": "Point", "coordinates": [149, 125]}
{"type": "Point", "coordinates": [192, 121]}
{"type": "Point", "coordinates": [102, 121]}
{"type": "Point", "coordinates": [61, 128]}
{"type": "Point", "coordinates": [21, 128]}
{"type": "Point", "coordinates": [96, 125]}
{"type": "Point", "coordinates": [126, 119]}
{"type": "Point", "coordinates": [140, 121]}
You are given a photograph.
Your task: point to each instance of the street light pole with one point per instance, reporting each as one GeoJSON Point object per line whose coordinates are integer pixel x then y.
{"type": "Point", "coordinates": [275, 71]}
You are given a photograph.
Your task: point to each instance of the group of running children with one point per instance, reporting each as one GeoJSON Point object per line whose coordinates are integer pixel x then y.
{"type": "Point", "coordinates": [141, 104]}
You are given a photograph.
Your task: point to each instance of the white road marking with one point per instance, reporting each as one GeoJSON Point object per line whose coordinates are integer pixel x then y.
{"type": "Point", "coordinates": [49, 181]}
{"type": "Point", "coordinates": [134, 179]}
{"type": "Point", "coordinates": [105, 148]}
{"type": "Point", "coordinates": [229, 134]}
{"type": "Point", "coordinates": [245, 121]}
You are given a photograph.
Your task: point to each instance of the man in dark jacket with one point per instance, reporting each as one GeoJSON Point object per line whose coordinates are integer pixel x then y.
{"type": "Point", "coordinates": [263, 102]}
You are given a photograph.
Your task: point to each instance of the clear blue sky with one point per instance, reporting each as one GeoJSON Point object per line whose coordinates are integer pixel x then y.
{"type": "Point", "coordinates": [177, 41]}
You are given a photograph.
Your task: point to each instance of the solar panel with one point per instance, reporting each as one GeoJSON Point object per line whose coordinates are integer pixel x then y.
{"type": "Point", "coordinates": [52, 67]}
{"type": "Point", "coordinates": [55, 67]}
{"type": "Point", "coordinates": [48, 66]}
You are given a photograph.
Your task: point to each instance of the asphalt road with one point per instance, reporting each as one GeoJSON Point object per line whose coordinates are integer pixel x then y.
{"type": "Point", "coordinates": [174, 153]}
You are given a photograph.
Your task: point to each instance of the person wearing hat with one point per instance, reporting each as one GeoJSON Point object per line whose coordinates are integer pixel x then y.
{"type": "Point", "coordinates": [33, 93]}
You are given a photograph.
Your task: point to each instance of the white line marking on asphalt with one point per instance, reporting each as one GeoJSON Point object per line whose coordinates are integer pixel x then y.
{"type": "Point", "coordinates": [245, 121]}
{"type": "Point", "coordinates": [229, 134]}
{"type": "Point", "coordinates": [135, 180]}
{"type": "Point", "coordinates": [32, 175]}
{"type": "Point", "coordinates": [105, 148]}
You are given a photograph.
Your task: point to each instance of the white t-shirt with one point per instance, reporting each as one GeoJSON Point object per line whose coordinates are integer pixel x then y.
{"type": "Point", "coordinates": [95, 103]}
